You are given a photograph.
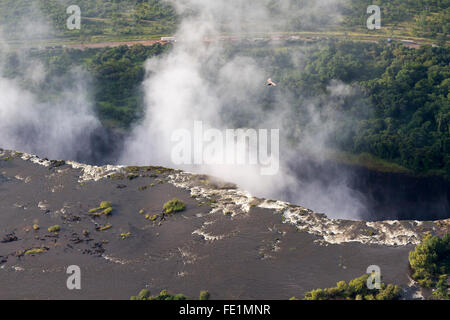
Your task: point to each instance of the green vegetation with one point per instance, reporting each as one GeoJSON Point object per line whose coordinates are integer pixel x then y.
{"type": "Point", "coordinates": [116, 75]}
{"type": "Point", "coordinates": [369, 161]}
{"type": "Point", "coordinates": [54, 228]}
{"type": "Point", "coordinates": [145, 294]}
{"type": "Point", "coordinates": [105, 204]}
{"type": "Point", "coordinates": [397, 118]}
{"type": "Point", "coordinates": [36, 251]}
{"type": "Point", "coordinates": [430, 264]}
{"type": "Point", "coordinates": [420, 18]}
{"type": "Point", "coordinates": [163, 295]}
{"type": "Point", "coordinates": [204, 295]}
{"type": "Point", "coordinates": [104, 209]}
{"type": "Point", "coordinates": [101, 20]}
{"type": "Point", "coordinates": [173, 206]}
{"type": "Point", "coordinates": [125, 235]}
{"type": "Point", "coordinates": [104, 228]}
{"type": "Point", "coordinates": [356, 289]}
{"type": "Point", "coordinates": [394, 115]}
{"type": "Point", "coordinates": [123, 20]}
{"type": "Point", "coordinates": [153, 217]}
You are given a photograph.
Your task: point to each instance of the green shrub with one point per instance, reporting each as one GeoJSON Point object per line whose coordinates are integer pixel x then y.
{"type": "Point", "coordinates": [430, 263]}
{"type": "Point", "coordinates": [54, 228]}
{"type": "Point", "coordinates": [163, 295]}
{"type": "Point", "coordinates": [204, 295]}
{"type": "Point", "coordinates": [125, 235]}
{"type": "Point", "coordinates": [389, 292]}
{"type": "Point", "coordinates": [144, 293]}
{"type": "Point", "coordinates": [356, 289]}
{"type": "Point", "coordinates": [104, 228]}
{"type": "Point", "coordinates": [105, 205]}
{"type": "Point", "coordinates": [442, 287]}
{"type": "Point", "coordinates": [173, 206]}
{"type": "Point", "coordinates": [105, 208]}
{"type": "Point", "coordinates": [317, 294]}
{"type": "Point", "coordinates": [35, 251]}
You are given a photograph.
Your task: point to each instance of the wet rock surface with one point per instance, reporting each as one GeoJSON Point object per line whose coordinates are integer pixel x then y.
{"type": "Point", "coordinates": [226, 241]}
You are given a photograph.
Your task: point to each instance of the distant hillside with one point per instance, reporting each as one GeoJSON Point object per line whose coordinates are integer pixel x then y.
{"type": "Point", "coordinates": [113, 19]}
{"type": "Point", "coordinates": [420, 18]}
{"type": "Point", "coordinates": [143, 19]}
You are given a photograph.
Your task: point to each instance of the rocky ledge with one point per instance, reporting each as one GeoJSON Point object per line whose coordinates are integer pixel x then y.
{"type": "Point", "coordinates": [226, 198]}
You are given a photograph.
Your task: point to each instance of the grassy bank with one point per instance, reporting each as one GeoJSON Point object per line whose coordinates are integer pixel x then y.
{"type": "Point", "coordinates": [374, 163]}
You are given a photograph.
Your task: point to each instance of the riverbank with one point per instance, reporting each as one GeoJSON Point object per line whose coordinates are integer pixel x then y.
{"type": "Point", "coordinates": [374, 163]}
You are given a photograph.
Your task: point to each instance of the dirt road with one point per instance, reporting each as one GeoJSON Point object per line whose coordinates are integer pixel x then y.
{"type": "Point", "coordinates": [114, 44]}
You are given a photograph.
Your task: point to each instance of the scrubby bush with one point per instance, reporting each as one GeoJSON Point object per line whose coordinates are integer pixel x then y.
{"type": "Point", "coordinates": [105, 208]}
{"type": "Point", "coordinates": [35, 251]}
{"type": "Point", "coordinates": [318, 294]}
{"type": "Point", "coordinates": [173, 206]}
{"type": "Point", "coordinates": [430, 264]}
{"type": "Point", "coordinates": [104, 228]}
{"type": "Point", "coordinates": [389, 292]}
{"type": "Point", "coordinates": [125, 235]}
{"type": "Point", "coordinates": [144, 293]}
{"type": "Point", "coordinates": [442, 287]}
{"type": "Point", "coordinates": [163, 295]}
{"type": "Point", "coordinates": [54, 228]}
{"type": "Point", "coordinates": [356, 289]}
{"type": "Point", "coordinates": [105, 204]}
{"type": "Point", "coordinates": [204, 295]}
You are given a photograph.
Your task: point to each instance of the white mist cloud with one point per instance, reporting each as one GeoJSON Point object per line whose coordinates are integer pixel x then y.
{"type": "Point", "coordinates": [196, 82]}
{"type": "Point", "coordinates": [57, 130]}
{"type": "Point", "coordinates": [53, 126]}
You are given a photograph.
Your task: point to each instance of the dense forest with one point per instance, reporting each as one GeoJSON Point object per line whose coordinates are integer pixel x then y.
{"type": "Point", "coordinates": [400, 108]}
{"type": "Point", "coordinates": [116, 75]}
{"type": "Point", "coordinates": [399, 112]}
